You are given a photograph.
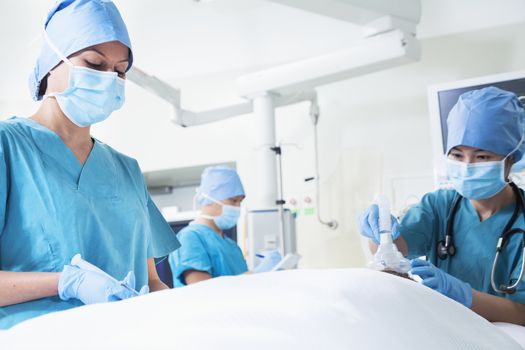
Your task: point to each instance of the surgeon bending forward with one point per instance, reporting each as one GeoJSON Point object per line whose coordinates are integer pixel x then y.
{"type": "Point", "coordinates": [63, 192]}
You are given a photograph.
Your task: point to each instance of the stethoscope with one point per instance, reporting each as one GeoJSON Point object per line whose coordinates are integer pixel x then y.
{"type": "Point", "coordinates": [446, 247]}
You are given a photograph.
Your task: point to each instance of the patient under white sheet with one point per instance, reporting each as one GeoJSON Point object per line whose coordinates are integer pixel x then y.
{"type": "Point", "coordinates": [302, 309]}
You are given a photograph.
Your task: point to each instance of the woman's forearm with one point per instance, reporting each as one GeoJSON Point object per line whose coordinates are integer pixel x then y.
{"type": "Point", "coordinates": [192, 276]}
{"type": "Point", "coordinates": [497, 309]}
{"type": "Point", "coordinates": [154, 281]}
{"type": "Point", "coordinates": [156, 285]}
{"type": "Point", "coordinates": [18, 287]}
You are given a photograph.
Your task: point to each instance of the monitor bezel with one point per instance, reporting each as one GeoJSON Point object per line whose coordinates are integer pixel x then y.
{"type": "Point", "coordinates": [439, 165]}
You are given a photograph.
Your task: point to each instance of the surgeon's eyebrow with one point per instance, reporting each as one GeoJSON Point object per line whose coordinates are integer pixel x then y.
{"type": "Point", "coordinates": [101, 54]}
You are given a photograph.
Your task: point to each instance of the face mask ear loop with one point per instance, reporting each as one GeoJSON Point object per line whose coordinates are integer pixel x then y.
{"type": "Point", "coordinates": [60, 55]}
{"type": "Point", "coordinates": [195, 207]}
{"type": "Point", "coordinates": [209, 198]}
{"type": "Point", "coordinates": [212, 199]}
{"type": "Point", "coordinates": [57, 51]}
{"type": "Point", "coordinates": [514, 151]}
{"type": "Point", "coordinates": [194, 201]}
{"type": "Point", "coordinates": [521, 140]}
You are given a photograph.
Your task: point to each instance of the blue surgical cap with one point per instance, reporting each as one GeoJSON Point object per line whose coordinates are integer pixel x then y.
{"type": "Point", "coordinates": [490, 119]}
{"type": "Point", "coordinates": [73, 25]}
{"type": "Point", "coordinates": [219, 183]}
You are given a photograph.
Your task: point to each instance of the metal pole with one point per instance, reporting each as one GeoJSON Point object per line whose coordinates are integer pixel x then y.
{"type": "Point", "coordinates": [314, 114]}
{"type": "Point", "coordinates": [280, 200]}
{"type": "Point", "coordinates": [266, 189]}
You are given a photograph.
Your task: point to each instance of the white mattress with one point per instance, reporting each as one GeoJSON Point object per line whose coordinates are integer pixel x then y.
{"type": "Point", "coordinates": [304, 309]}
{"type": "Point", "coordinates": [516, 332]}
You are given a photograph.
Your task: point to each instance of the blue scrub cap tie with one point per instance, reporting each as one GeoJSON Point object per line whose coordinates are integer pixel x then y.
{"type": "Point", "coordinates": [219, 183]}
{"type": "Point", "coordinates": [73, 25]}
{"type": "Point", "coordinates": [490, 119]}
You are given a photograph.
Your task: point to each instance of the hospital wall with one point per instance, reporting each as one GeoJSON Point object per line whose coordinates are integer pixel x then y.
{"type": "Point", "coordinates": [374, 135]}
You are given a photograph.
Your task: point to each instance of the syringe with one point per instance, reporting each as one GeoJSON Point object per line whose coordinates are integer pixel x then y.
{"type": "Point", "coordinates": [83, 264]}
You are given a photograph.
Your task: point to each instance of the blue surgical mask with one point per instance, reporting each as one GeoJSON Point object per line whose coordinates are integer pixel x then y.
{"type": "Point", "coordinates": [91, 95]}
{"type": "Point", "coordinates": [480, 180]}
{"type": "Point", "coordinates": [229, 216]}
{"type": "Point", "coordinates": [477, 180]}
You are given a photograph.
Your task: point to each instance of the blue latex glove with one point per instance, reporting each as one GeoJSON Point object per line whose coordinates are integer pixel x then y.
{"type": "Point", "coordinates": [442, 282]}
{"type": "Point", "coordinates": [92, 287]}
{"type": "Point", "coordinates": [370, 224]}
{"type": "Point", "coordinates": [268, 262]}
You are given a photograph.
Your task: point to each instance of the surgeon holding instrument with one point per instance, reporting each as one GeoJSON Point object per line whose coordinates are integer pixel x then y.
{"type": "Point", "coordinates": [206, 252]}
{"type": "Point", "coordinates": [473, 235]}
{"type": "Point", "coordinates": [63, 192]}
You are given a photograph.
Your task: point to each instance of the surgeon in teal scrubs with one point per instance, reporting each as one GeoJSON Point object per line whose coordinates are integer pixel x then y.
{"type": "Point", "coordinates": [206, 252]}
{"type": "Point", "coordinates": [485, 138]}
{"type": "Point", "coordinates": [63, 192]}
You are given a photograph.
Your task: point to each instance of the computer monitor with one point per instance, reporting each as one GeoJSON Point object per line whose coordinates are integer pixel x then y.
{"type": "Point", "coordinates": [444, 96]}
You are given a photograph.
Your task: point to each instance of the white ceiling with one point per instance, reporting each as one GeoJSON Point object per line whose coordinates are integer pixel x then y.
{"type": "Point", "coordinates": [444, 17]}
{"type": "Point", "coordinates": [182, 38]}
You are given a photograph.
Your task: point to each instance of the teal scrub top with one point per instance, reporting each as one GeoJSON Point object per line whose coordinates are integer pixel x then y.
{"type": "Point", "coordinates": [424, 225]}
{"type": "Point", "coordinates": [52, 207]}
{"type": "Point", "coordinates": [202, 249]}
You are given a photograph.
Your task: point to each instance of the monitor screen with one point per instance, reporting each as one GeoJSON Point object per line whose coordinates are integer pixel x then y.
{"type": "Point", "coordinates": [444, 96]}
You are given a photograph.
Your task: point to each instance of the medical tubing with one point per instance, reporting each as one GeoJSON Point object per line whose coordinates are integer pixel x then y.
{"type": "Point", "coordinates": [507, 289]}
{"type": "Point", "coordinates": [314, 114]}
{"type": "Point", "coordinates": [280, 200]}
{"type": "Point", "coordinates": [522, 271]}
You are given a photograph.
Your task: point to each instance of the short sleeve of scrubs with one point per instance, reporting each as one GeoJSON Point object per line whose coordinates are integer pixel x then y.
{"type": "Point", "coordinates": [421, 225]}
{"type": "Point", "coordinates": [162, 236]}
{"type": "Point", "coordinates": [53, 207]}
{"type": "Point", "coordinates": [192, 255]}
{"type": "Point", "coordinates": [3, 189]}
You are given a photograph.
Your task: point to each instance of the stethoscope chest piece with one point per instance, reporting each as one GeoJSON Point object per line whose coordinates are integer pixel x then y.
{"type": "Point", "coordinates": [446, 249]}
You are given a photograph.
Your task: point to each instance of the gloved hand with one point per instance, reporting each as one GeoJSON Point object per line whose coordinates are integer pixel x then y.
{"type": "Point", "coordinates": [92, 287]}
{"type": "Point", "coordinates": [268, 262]}
{"type": "Point", "coordinates": [370, 224]}
{"type": "Point", "coordinates": [442, 282]}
